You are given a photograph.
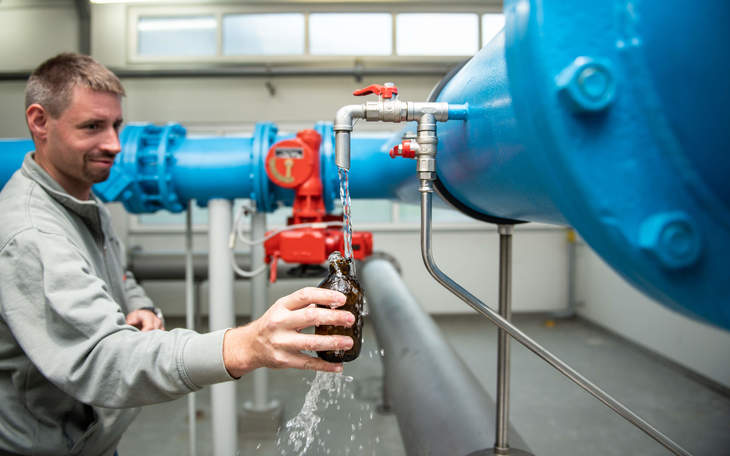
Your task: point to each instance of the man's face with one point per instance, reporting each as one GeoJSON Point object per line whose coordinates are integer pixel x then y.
{"type": "Point", "coordinates": [83, 141]}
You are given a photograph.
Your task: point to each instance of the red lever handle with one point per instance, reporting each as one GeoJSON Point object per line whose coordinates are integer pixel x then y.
{"type": "Point", "coordinates": [403, 150]}
{"type": "Point", "coordinates": [377, 89]}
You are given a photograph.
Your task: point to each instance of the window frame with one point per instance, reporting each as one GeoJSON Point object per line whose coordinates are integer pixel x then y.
{"type": "Point", "coordinates": [135, 11]}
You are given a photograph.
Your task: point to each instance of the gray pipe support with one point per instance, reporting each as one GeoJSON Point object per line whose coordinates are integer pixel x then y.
{"type": "Point", "coordinates": [441, 407]}
{"type": "Point", "coordinates": [222, 315]}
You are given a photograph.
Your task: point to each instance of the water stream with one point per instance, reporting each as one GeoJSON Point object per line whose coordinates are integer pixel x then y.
{"type": "Point", "coordinates": [301, 430]}
{"type": "Point", "coordinates": [347, 219]}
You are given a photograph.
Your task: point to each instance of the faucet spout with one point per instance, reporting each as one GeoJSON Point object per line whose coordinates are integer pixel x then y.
{"type": "Point", "coordinates": [343, 126]}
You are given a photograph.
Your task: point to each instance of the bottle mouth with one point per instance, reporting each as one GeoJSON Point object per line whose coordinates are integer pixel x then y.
{"type": "Point", "coordinates": [338, 262]}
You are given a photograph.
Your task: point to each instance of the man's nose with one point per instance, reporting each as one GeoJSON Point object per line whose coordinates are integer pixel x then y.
{"type": "Point", "coordinates": [111, 142]}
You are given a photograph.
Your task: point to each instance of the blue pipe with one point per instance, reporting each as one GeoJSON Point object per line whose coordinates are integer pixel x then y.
{"type": "Point", "coordinates": [13, 151]}
{"type": "Point", "coordinates": [159, 167]}
{"type": "Point", "coordinates": [614, 121]}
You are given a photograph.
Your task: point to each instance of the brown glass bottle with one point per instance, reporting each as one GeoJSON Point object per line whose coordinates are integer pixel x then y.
{"type": "Point", "coordinates": [341, 278]}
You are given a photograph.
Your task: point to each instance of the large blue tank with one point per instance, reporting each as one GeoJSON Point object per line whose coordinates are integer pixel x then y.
{"type": "Point", "coordinates": [611, 116]}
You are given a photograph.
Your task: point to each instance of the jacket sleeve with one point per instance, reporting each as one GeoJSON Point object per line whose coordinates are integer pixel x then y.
{"type": "Point", "coordinates": [66, 322]}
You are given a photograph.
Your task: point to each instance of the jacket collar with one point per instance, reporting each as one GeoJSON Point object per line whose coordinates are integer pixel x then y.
{"type": "Point", "coordinates": [88, 210]}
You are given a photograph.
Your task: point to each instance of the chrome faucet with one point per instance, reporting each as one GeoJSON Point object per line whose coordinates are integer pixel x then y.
{"type": "Point", "coordinates": [389, 108]}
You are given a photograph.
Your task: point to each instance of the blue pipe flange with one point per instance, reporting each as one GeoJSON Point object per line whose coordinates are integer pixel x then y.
{"type": "Point", "coordinates": [327, 166]}
{"type": "Point", "coordinates": [262, 190]}
{"type": "Point", "coordinates": [141, 178]}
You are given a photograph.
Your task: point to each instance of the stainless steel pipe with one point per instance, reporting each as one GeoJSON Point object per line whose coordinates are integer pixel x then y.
{"type": "Point", "coordinates": [259, 303]}
{"type": "Point", "coordinates": [190, 314]}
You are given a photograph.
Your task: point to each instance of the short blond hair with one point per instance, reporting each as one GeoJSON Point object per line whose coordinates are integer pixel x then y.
{"type": "Point", "coordinates": [51, 84]}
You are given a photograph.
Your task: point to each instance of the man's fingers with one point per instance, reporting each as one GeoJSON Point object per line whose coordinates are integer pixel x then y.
{"type": "Point", "coordinates": [305, 296]}
{"type": "Point", "coordinates": [316, 316]}
{"type": "Point", "coordinates": [148, 321]}
{"type": "Point", "coordinates": [314, 342]}
{"type": "Point", "coordinates": [302, 361]}
{"type": "Point", "coordinates": [133, 319]}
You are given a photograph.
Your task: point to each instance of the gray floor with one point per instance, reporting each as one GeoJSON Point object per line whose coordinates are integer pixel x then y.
{"type": "Point", "coordinates": [553, 416]}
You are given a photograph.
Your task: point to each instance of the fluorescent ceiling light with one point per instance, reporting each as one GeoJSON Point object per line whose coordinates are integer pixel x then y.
{"type": "Point", "coordinates": [119, 1]}
{"type": "Point", "coordinates": [172, 23]}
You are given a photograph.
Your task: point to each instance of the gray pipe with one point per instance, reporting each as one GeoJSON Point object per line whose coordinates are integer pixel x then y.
{"type": "Point", "coordinates": [441, 407]}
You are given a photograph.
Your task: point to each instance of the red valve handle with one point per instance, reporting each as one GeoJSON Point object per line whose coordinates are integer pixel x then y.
{"type": "Point", "coordinates": [403, 150]}
{"type": "Point", "coordinates": [377, 89]}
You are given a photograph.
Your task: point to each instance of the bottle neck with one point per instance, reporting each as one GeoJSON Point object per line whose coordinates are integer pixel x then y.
{"type": "Point", "coordinates": [340, 267]}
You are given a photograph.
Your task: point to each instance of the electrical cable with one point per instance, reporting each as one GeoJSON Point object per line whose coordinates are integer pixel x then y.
{"type": "Point", "coordinates": [237, 234]}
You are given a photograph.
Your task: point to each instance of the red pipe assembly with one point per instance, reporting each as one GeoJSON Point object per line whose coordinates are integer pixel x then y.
{"type": "Point", "coordinates": [294, 163]}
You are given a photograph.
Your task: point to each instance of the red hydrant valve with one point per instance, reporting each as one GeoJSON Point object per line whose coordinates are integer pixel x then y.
{"type": "Point", "coordinates": [407, 149]}
{"type": "Point", "coordinates": [377, 89]}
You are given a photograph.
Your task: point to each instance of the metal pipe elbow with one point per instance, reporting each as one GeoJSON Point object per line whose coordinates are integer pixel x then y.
{"type": "Point", "coordinates": [345, 116]}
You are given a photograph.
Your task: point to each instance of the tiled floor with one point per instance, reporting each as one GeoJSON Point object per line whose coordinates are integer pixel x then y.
{"type": "Point", "coordinates": [553, 415]}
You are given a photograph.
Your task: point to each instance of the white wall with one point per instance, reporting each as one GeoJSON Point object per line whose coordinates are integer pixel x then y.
{"type": "Point", "coordinates": [470, 256]}
{"type": "Point", "coordinates": [30, 32]}
{"type": "Point", "coordinates": [33, 30]}
{"type": "Point", "coordinates": [609, 301]}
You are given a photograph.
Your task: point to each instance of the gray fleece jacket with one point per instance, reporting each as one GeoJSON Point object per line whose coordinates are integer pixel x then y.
{"type": "Point", "coordinates": [71, 371]}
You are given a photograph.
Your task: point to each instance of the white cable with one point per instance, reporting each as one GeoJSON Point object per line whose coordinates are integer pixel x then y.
{"type": "Point", "coordinates": [243, 272]}
{"type": "Point", "coordinates": [237, 234]}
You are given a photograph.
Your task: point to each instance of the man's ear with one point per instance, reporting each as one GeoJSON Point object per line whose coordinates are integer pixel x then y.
{"type": "Point", "coordinates": [37, 118]}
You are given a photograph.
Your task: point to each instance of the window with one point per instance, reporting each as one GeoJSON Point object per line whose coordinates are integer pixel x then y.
{"type": "Point", "coordinates": [263, 34]}
{"type": "Point", "coordinates": [229, 33]}
{"type": "Point", "coordinates": [181, 36]}
{"type": "Point", "coordinates": [351, 34]}
{"type": "Point", "coordinates": [492, 24]}
{"type": "Point", "coordinates": [437, 34]}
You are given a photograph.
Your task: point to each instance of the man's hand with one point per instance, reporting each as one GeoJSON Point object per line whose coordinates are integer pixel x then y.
{"type": "Point", "coordinates": [144, 320]}
{"type": "Point", "coordinates": [274, 339]}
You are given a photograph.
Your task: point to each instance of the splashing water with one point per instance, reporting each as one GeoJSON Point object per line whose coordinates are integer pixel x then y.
{"type": "Point", "coordinates": [346, 203]}
{"type": "Point", "coordinates": [302, 429]}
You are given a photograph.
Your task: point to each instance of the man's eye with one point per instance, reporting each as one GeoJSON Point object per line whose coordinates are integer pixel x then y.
{"type": "Point", "coordinates": [91, 126]}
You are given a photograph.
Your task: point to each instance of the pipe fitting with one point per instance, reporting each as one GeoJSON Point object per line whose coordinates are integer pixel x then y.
{"type": "Point", "coordinates": [345, 116]}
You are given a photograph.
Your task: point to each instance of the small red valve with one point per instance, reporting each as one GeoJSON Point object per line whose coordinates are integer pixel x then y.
{"type": "Point", "coordinates": [377, 89]}
{"type": "Point", "coordinates": [407, 149]}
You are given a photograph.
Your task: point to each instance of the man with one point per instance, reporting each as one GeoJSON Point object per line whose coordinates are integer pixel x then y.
{"type": "Point", "coordinates": [80, 344]}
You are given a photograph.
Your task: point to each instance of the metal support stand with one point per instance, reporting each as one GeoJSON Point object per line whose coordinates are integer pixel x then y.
{"type": "Point", "coordinates": [426, 190]}
{"type": "Point", "coordinates": [261, 415]}
{"type": "Point", "coordinates": [222, 315]}
{"type": "Point", "coordinates": [190, 314]}
{"type": "Point", "coordinates": [501, 443]}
